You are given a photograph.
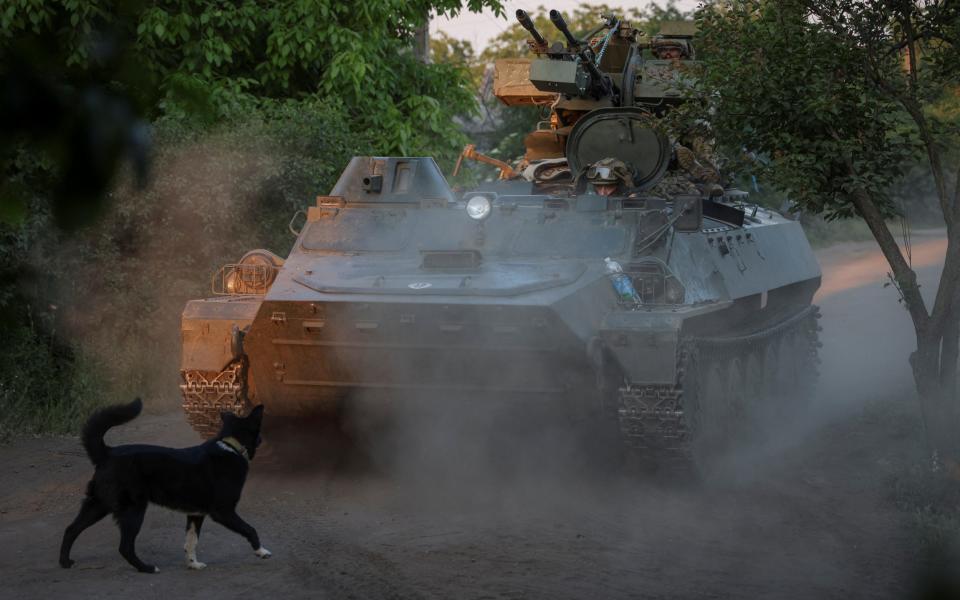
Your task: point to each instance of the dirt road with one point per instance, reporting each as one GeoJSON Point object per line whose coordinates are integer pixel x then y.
{"type": "Point", "coordinates": [467, 516]}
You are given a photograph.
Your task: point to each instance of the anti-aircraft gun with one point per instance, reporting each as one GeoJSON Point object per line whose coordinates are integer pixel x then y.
{"type": "Point", "coordinates": [573, 70]}
{"type": "Point", "coordinates": [601, 274]}
{"type": "Point", "coordinates": [606, 92]}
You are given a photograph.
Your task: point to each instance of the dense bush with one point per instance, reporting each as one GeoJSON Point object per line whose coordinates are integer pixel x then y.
{"type": "Point", "coordinates": [44, 386]}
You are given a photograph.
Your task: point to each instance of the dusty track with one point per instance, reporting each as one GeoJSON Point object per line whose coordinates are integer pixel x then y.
{"type": "Point", "coordinates": [520, 516]}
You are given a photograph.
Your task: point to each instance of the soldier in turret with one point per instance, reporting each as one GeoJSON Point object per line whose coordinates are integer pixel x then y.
{"type": "Point", "coordinates": [665, 48]}
{"type": "Point", "coordinates": [610, 177]}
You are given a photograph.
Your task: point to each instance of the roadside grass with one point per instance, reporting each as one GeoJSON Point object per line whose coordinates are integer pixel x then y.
{"type": "Point", "coordinates": [924, 491]}
{"type": "Point", "coordinates": [44, 386]}
{"type": "Point", "coordinates": [931, 499]}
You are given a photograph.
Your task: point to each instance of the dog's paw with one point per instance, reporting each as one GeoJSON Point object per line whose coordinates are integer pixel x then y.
{"type": "Point", "coordinates": [150, 569]}
{"type": "Point", "coordinates": [263, 552]}
{"type": "Point", "coordinates": [66, 563]}
{"type": "Point", "coordinates": [196, 565]}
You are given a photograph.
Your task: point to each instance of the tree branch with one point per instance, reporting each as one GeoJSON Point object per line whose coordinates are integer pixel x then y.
{"type": "Point", "coordinates": [925, 34]}
{"type": "Point", "coordinates": [906, 22]}
{"type": "Point", "coordinates": [897, 47]}
{"type": "Point", "coordinates": [905, 276]}
{"type": "Point", "coordinates": [941, 37]}
{"type": "Point", "coordinates": [951, 210]}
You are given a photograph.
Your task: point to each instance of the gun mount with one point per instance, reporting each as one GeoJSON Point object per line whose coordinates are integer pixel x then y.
{"type": "Point", "coordinates": [634, 81]}
{"type": "Point", "coordinates": [572, 71]}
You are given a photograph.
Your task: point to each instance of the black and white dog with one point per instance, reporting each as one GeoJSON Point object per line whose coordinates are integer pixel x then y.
{"type": "Point", "coordinates": [201, 480]}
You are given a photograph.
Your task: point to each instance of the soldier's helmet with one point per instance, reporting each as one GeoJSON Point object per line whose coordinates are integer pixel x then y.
{"type": "Point", "coordinates": [610, 171]}
{"type": "Point", "coordinates": [660, 44]}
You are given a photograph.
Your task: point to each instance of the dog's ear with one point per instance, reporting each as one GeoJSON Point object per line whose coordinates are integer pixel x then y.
{"type": "Point", "coordinates": [256, 413]}
{"type": "Point", "coordinates": [227, 416]}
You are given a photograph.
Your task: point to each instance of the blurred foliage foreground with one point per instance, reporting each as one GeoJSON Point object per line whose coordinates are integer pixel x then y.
{"type": "Point", "coordinates": [145, 142]}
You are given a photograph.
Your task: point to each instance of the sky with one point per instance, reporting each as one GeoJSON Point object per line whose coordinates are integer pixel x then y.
{"type": "Point", "coordinates": [479, 28]}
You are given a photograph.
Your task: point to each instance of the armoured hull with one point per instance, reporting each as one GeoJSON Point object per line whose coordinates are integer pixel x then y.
{"type": "Point", "coordinates": [418, 297]}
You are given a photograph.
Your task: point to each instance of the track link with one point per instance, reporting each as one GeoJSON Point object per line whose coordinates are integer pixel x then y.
{"type": "Point", "coordinates": [206, 394]}
{"type": "Point", "coordinates": [681, 421]}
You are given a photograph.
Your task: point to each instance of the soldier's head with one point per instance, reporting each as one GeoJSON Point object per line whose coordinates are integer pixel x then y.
{"type": "Point", "coordinates": [610, 176]}
{"type": "Point", "coordinates": [669, 49]}
{"type": "Point", "coordinates": [669, 53]}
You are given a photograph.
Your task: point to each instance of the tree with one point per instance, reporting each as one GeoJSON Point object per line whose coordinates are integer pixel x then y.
{"type": "Point", "coordinates": [841, 95]}
{"type": "Point", "coordinates": [448, 50]}
{"type": "Point", "coordinates": [89, 66]}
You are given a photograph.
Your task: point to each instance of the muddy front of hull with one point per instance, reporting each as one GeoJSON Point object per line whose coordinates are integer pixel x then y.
{"type": "Point", "coordinates": [306, 355]}
{"type": "Point", "coordinates": [213, 365]}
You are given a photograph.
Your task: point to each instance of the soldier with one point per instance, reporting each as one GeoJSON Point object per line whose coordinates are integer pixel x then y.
{"type": "Point", "coordinates": [699, 169]}
{"type": "Point", "coordinates": [675, 183]}
{"type": "Point", "coordinates": [695, 158]}
{"type": "Point", "coordinates": [610, 176]}
{"type": "Point", "coordinates": [664, 48]}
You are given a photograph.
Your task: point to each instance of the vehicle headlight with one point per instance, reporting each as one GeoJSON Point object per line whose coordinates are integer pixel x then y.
{"type": "Point", "coordinates": [478, 207]}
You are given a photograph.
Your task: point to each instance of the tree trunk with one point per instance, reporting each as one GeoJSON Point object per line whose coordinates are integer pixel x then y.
{"type": "Point", "coordinates": [950, 348]}
{"type": "Point", "coordinates": [421, 40]}
{"type": "Point", "coordinates": [905, 276]}
{"type": "Point", "coordinates": [934, 366]}
{"type": "Point", "coordinates": [925, 364]}
{"type": "Point", "coordinates": [949, 351]}
{"type": "Point", "coordinates": [934, 363]}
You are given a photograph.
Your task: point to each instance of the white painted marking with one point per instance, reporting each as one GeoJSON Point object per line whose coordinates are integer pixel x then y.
{"type": "Point", "coordinates": [419, 285]}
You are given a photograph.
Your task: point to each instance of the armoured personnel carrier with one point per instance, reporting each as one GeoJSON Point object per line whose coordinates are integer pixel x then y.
{"type": "Point", "coordinates": [608, 271]}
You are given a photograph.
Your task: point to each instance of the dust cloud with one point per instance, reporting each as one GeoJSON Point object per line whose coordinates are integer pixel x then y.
{"type": "Point", "coordinates": [481, 443]}
{"type": "Point", "coordinates": [123, 283]}
{"type": "Point", "coordinates": [799, 511]}
{"type": "Point", "coordinates": [446, 496]}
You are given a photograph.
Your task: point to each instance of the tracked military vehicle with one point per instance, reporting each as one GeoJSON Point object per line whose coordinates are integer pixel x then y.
{"type": "Point", "coordinates": [398, 283]}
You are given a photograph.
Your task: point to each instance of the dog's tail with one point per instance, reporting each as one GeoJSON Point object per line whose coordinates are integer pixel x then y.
{"type": "Point", "coordinates": [102, 420]}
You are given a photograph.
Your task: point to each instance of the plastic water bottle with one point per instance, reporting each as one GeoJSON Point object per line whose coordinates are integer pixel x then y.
{"type": "Point", "coordinates": [621, 282]}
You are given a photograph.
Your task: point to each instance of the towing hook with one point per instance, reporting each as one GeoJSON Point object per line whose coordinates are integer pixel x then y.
{"type": "Point", "coordinates": [236, 341]}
